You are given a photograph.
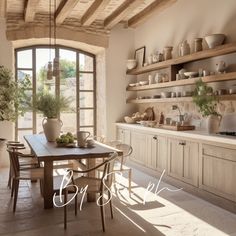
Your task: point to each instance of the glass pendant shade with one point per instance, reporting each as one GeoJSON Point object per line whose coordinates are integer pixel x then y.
{"type": "Point", "coordinates": [49, 71]}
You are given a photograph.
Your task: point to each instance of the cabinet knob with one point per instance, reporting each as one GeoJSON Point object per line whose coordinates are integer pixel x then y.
{"type": "Point", "coordinates": [154, 137]}
{"type": "Point", "coordinates": [182, 143]}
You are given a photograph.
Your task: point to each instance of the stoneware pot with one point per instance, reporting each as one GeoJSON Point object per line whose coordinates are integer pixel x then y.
{"type": "Point", "coordinates": [52, 128]}
{"type": "Point", "coordinates": [213, 124]}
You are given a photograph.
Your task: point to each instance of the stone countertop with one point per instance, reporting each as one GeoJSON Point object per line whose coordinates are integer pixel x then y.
{"type": "Point", "coordinates": [194, 134]}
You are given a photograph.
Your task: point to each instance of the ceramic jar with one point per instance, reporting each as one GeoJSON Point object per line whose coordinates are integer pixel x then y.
{"type": "Point", "coordinates": [197, 44]}
{"type": "Point", "coordinates": [167, 53]}
{"type": "Point", "coordinates": [184, 48]}
{"type": "Point", "coordinates": [213, 124]}
{"type": "Point", "coordinates": [52, 128]}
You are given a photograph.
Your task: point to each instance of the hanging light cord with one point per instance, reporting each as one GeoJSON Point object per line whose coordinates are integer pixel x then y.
{"type": "Point", "coordinates": [55, 29]}
{"type": "Point", "coordinates": [50, 30]}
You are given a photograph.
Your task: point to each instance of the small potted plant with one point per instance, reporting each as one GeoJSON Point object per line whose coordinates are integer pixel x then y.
{"type": "Point", "coordinates": [207, 104]}
{"type": "Point", "coordinates": [51, 106]}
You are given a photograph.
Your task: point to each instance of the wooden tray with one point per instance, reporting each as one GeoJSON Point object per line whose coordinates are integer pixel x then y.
{"type": "Point", "coordinates": [177, 127]}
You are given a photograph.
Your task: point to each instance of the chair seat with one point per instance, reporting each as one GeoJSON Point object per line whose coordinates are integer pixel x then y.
{"type": "Point", "coordinates": [36, 173]}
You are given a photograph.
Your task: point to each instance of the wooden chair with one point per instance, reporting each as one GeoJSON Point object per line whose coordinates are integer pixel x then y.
{"type": "Point", "coordinates": [19, 174]}
{"type": "Point", "coordinates": [95, 185]}
{"type": "Point", "coordinates": [25, 160]}
{"type": "Point", "coordinates": [120, 163]}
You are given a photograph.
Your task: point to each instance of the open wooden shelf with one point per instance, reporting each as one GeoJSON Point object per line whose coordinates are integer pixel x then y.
{"type": "Point", "coordinates": [217, 51]}
{"type": "Point", "coordinates": [207, 79]}
{"type": "Point", "coordinates": [177, 99]}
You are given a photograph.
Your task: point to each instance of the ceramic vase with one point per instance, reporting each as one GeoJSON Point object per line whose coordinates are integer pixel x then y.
{"type": "Point", "coordinates": [213, 124]}
{"type": "Point", "coordinates": [52, 128]}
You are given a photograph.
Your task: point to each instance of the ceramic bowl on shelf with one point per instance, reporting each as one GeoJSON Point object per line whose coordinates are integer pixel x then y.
{"type": "Point", "coordinates": [191, 74]}
{"type": "Point", "coordinates": [165, 94]}
{"type": "Point", "coordinates": [132, 85]}
{"type": "Point", "coordinates": [131, 64]}
{"type": "Point", "coordinates": [143, 82]}
{"type": "Point", "coordinates": [129, 120]}
{"type": "Point", "coordinates": [214, 40]}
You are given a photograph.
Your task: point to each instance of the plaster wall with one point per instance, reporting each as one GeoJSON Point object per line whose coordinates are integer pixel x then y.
{"type": "Point", "coordinates": [6, 59]}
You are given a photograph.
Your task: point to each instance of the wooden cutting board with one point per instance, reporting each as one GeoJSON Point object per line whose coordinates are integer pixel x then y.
{"type": "Point", "coordinates": [177, 127]}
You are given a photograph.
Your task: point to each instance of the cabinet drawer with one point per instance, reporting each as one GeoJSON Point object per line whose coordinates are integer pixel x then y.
{"type": "Point", "coordinates": [218, 176]}
{"type": "Point", "coordinates": [220, 152]}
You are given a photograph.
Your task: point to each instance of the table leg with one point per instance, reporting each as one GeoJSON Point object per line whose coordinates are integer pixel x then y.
{"type": "Point", "coordinates": [91, 197]}
{"type": "Point", "coordinates": [48, 184]}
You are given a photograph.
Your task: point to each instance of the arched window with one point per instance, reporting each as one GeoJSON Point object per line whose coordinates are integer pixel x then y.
{"type": "Point", "coordinates": [76, 80]}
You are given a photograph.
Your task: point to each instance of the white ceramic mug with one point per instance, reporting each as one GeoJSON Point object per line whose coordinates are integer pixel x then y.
{"type": "Point", "coordinates": [82, 138]}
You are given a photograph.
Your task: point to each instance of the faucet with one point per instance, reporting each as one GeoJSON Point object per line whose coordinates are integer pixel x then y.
{"type": "Point", "coordinates": [181, 117]}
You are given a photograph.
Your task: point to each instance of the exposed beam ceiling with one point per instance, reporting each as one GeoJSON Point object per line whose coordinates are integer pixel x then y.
{"type": "Point", "coordinates": [3, 8]}
{"type": "Point", "coordinates": [91, 14]}
{"type": "Point", "coordinates": [64, 9]}
{"type": "Point", "coordinates": [121, 12]}
{"type": "Point", "coordinates": [155, 7]}
{"type": "Point", "coordinates": [30, 10]}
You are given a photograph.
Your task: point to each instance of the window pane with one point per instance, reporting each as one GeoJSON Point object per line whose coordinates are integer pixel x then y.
{"type": "Point", "coordinates": [86, 99]}
{"type": "Point", "coordinates": [86, 117]}
{"type": "Point", "coordinates": [86, 81]}
{"type": "Point", "coordinates": [22, 74]}
{"type": "Point", "coordinates": [26, 120]}
{"type": "Point", "coordinates": [24, 59]}
{"type": "Point", "coordinates": [21, 134]}
{"type": "Point", "coordinates": [68, 88]}
{"type": "Point", "coordinates": [91, 130]}
{"type": "Point", "coordinates": [85, 62]}
{"type": "Point", "coordinates": [42, 59]}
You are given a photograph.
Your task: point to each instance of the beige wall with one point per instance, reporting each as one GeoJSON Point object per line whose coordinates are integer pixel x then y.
{"type": "Point", "coordinates": [187, 19]}
{"type": "Point", "coordinates": [6, 59]}
{"type": "Point", "coordinates": [121, 47]}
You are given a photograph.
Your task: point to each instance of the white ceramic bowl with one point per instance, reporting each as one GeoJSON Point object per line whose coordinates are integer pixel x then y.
{"type": "Point", "coordinates": [131, 64]}
{"type": "Point", "coordinates": [132, 85]}
{"type": "Point", "coordinates": [129, 120]}
{"type": "Point", "coordinates": [191, 74]}
{"type": "Point", "coordinates": [165, 94]}
{"type": "Point", "coordinates": [143, 82]}
{"type": "Point", "coordinates": [214, 40]}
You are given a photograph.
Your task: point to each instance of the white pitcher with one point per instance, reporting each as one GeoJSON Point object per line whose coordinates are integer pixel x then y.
{"type": "Point", "coordinates": [82, 138]}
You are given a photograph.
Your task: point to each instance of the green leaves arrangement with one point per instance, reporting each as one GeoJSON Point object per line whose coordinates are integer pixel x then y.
{"type": "Point", "coordinates": [50, 105]}
{"type": "Point", "coordinates": [205, 99]}
{"type": "Point", "coordinates": [14, 96]}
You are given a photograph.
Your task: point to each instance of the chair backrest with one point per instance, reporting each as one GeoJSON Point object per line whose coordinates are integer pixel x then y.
{"type": "Point", "coordinates": [125, 148]}
{"type": "Point", "coordinates": [107, 175]}
{"type": "Point", "coordinates": [14, 160]}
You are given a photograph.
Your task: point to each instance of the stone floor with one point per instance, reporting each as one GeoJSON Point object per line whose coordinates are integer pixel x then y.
{"type": "Point", "coordinates": [169, 213]}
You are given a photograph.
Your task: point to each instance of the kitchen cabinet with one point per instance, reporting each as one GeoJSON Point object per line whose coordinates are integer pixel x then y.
{"type": "Point", "coordinates": [156, 152]}
{"type": "Point", "coordinates": [183, 160]}
{"type": "Point", "coordinates": [218, 168]}
{"type": "Point", "coordinates": [123, 135]}
{"type": "Point", "coordinates": [139, 145]}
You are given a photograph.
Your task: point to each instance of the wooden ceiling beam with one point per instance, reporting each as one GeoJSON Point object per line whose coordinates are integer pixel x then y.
{"type": "Point", "coordinates": [91, 14]}
{"type": "Point", "coordinates": [3, 8]}
{"type": "Point", "coordinates": [64, 9]}
{"type": "Point", "coordinates": [121, 12]}
{"type": "Point", "coordinates": [155, 7]}
{"type": "Point", "coordinates": [30, 10]}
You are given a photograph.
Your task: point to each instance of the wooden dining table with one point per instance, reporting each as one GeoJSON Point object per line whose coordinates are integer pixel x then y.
{"type": "Point", "coordinates": [49, 152]}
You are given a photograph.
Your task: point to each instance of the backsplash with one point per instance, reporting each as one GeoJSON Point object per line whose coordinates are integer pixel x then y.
{"type": "Point", "coordinates": [226, 108]}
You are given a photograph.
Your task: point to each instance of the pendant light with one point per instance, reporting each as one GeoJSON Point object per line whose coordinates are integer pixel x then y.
{"type": "Point", "coordinates": [49, 69]}
{"type": "Point", "coordinates": [56, 65]}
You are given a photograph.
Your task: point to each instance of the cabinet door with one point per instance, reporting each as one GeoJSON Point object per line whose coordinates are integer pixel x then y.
{"type": "Point", "coordinates": [123, 135]}
{"type": "Point", "coordinates": [183, 160]}
{"type": "Point", "coordinates": [175, 158]}
{"type": "Point", "coordinates": [156, 152]}
{"type": "Point", "coordinates": [139, 145]}
{"type": "Point", "coordinates": [218, 171]}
